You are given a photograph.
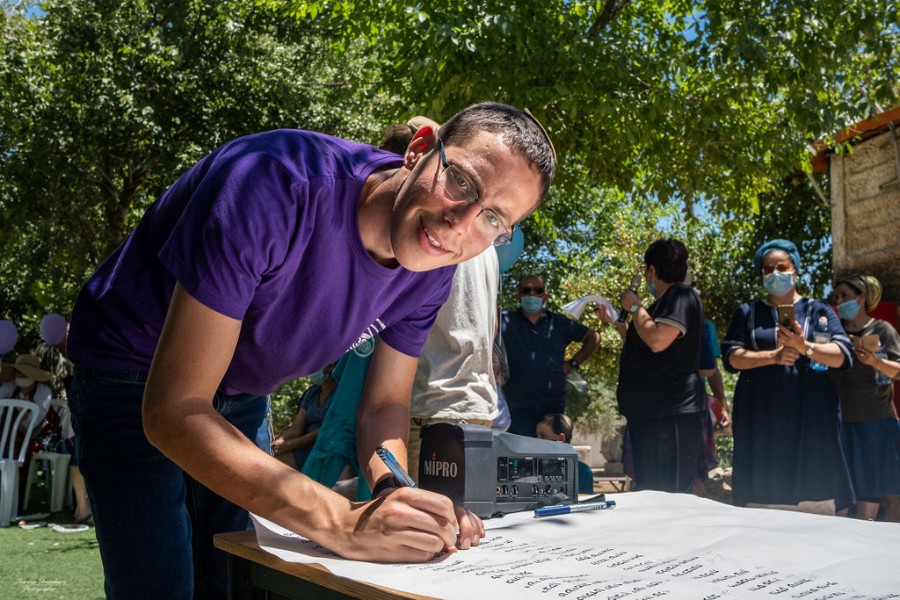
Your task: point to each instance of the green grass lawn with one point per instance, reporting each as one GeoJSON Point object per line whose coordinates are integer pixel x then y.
{"type": "Point", "coordinates": [40, 563]}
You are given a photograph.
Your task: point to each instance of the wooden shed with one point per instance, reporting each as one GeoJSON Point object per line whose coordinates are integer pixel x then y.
{"type": "Point", "coordinates": [865, 200]}
{"type": "Point", "coordinates": [865, 207]}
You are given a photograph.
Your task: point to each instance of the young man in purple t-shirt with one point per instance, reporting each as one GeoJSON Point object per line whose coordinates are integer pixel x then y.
{"type": "Point", "coordinates": [265, 261]}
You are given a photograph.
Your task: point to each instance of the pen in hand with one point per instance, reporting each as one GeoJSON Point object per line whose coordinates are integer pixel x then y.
{"type": "Point", "coordinates": [391, 463]}
{"type": "Point", "coordinates": [405, 480]}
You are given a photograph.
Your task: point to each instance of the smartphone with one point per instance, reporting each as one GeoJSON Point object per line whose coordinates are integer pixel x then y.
{"type": "Point", "coordinates": [786, 315]}
{"type": "Point", "coordinates": [869, 342]}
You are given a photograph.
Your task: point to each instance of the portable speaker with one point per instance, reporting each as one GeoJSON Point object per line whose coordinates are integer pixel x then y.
{"type": "Point", "coordinates": [493, 473]}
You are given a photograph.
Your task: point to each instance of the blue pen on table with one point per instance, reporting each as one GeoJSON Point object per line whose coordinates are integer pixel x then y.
{"type": "Point", "coordinates": [552, 511]}
{"type": "Point", "coordinates": [402, 476]}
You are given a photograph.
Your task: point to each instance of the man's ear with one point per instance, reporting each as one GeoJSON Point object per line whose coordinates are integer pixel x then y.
{"type": "Point", "coordinates": [422, 142]}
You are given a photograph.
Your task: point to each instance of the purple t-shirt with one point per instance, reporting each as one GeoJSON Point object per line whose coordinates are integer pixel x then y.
{"type": "Point", "coordinates": [263, 230]}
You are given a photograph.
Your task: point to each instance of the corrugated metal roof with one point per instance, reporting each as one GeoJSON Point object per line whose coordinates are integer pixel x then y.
{"type": "Point", "coordinates": [855, 133]}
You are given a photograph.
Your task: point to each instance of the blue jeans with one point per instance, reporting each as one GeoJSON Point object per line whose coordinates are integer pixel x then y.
{"type": "Point", "coordinates": [154, 523]}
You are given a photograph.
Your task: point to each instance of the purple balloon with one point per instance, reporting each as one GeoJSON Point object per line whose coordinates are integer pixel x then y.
{"type": "Point", "coordinates": [8, 336]}
{"type": "Point", "coordinates": [53, 328]}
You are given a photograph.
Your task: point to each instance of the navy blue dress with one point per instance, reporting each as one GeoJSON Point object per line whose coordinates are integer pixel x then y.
{"type": "Point", "coordinates": [787, 420]}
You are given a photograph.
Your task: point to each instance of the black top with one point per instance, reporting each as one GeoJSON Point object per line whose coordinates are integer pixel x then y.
{"type": "Point", "coordinates": [863, 396]}
{"type": "Point", "coordinates": [666, 383]}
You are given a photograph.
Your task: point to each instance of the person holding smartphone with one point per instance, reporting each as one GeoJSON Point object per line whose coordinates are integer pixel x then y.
{"type": "Point", "coordinates": [870, 433]}
{"type": "Point", "coordinates": [786, 417]}
{"type": "Point", "coordinates": [659, 390]}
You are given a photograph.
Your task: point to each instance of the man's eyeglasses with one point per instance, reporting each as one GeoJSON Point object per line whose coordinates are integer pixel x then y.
{"type": "Point", "coordinates": [536, 290]}
{"type": "Point", "coordinates": [459, 189]}
{"type": "Point", "coordinates": [782, 267]}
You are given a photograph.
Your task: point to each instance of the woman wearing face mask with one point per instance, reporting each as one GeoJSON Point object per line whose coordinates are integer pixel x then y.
{"type": "Point", "coordinates": [786, 418]}
{"type": "Point", "coordinates": [871, 432]}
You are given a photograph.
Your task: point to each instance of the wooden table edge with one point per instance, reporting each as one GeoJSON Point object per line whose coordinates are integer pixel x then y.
{"type": "Point", "coordinates": [243, 544]}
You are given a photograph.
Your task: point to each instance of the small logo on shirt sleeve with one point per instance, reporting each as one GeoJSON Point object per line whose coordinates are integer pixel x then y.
{"type": "Point", "coordinates": [365, 343]}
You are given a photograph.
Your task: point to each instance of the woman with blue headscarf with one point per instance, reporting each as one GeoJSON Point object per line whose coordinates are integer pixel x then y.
{"type": "Point", "coordinates": [786, 415]}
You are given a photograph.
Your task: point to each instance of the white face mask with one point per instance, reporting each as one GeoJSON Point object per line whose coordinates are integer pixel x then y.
{"type": "Point", "coordinates": [24, 382]}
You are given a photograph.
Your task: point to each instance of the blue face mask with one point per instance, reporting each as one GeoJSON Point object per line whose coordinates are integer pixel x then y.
{"type": "Point", "coordinates": [531, 304]}
{"type": "Point", "coordinates": [848, 310]}
{"type": "Point", "coordinates": [651, 289]}
{"type": "Point", "coordinates": [318, 378]}
{"type": "Point", "coordinates": [777, 283]}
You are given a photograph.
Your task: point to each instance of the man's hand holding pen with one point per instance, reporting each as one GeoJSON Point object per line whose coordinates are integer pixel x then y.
{"type": "Point", "coordinates": [470, 527]}
{"type": "Point", "coordinates": [404, 524]}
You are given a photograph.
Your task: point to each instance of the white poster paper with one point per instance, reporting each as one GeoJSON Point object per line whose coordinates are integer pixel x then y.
{"type": "Point", "coordinates": [651, 545]}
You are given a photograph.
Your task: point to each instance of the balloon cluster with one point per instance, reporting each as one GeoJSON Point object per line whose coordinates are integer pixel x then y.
{"type": "Point", "coordinates": [53, 331]}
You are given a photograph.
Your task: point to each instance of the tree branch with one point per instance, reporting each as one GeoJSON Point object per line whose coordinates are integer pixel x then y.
{"type": "Point", "coordinates": [610, 11]}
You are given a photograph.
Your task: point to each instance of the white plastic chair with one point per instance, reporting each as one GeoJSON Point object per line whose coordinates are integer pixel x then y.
{"type": "Point", "coordinates": [58, 478]}
{"type": "Point", "coordinates": [59, 463]}
{"type": "Point", "coordinates": [16, 416]}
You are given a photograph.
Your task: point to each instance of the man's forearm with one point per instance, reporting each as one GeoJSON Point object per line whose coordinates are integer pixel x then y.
{"type": "Point", "coordinates": [387, 424]}
{"type": "Point", "coordinates": [217, 455]}
{"type": "Point", "coordinates": [589, 345]}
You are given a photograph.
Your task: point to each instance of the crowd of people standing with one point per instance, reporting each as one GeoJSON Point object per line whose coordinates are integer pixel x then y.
{"type": "Point", "coordinates": [814, 425]}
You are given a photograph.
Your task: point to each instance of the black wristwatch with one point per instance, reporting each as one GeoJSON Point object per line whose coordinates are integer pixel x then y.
{"type": "Point", "coordinates": [385, 483]}
{"type": "Point", "coordinates": [573, 362]}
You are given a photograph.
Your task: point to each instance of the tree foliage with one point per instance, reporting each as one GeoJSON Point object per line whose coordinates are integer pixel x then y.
{"type": "Point", "coordinates": [712, 103]}
{"type": "Point", "coordinates": [103, 104]}
{"type": "Point", "coordinates": [671, 118]}
{"type": "Point", "coordinates": [666, 99]}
